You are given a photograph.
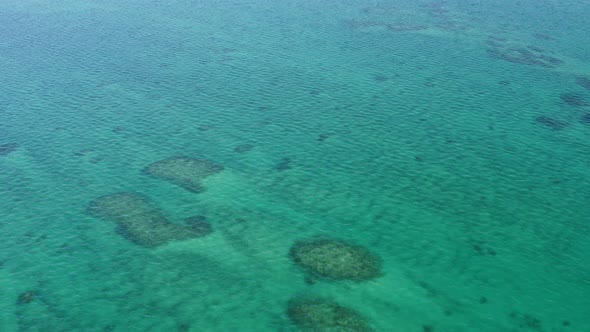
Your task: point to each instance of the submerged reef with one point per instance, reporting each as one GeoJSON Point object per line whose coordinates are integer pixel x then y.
{"type": "Point", "coordinates": [336, 260]}
{"type": "Point", "coordinates": [26, 297]}
{"type": "Point", "coordinates": [394, 27]}
{"type": "Point", "coordinates": [583, 82]}
{"type": "Point", "coordinates": [526, 321]}
{"type": "Point", "coordinates": [573, 99]}
{"type": "Point", "coordinates": [500, 48]}
{"type": "Point", "coordinates": [185, 172]}
{"type": "Point", "coordinates": [243, 148]}
{"type": "Point", "coordinates": [319, 314]}
{"type": "Point", "coordinates": [284, 164]}
{"type": "Point", "coordinates": [323, 137]}
{"type": "Point", "coordinates": [550, 123]}
{"type": "Point", "coordinates": [585, 119]}
{"type": "Point", "coordinates": [380, 78]}
{"type": "Point", "coordinates": [140, 221]}
{"type": "Point", "coordinates": [8, 148]}
{"type": "Point", "coordinates": [199, 225]}
{"type": "Point", "coordinates": [482, 248]}
{"type": "Point", "coordinates": [542, 36]}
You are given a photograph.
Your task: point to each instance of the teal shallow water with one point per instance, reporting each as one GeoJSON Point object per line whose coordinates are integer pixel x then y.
{"type": "Point", "coordinates": [439, 135]}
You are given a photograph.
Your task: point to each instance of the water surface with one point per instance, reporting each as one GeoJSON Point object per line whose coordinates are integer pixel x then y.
{"type": "Point", "coordinates": [449, 138]}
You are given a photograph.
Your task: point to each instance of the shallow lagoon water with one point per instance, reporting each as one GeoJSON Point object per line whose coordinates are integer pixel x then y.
{"type": "Point", "coordinates": [448, 138]}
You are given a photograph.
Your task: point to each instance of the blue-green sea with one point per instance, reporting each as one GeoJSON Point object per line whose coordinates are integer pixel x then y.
{"type": "Point", "coordinates": [446, 141]}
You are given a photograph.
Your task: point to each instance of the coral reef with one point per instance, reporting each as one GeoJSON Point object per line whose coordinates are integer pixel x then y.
{"type": "Point", "coordinates": [583, 82]}
{"type": "Point", "coordinates": [83, 152]}
{"type": "Point", "coordinates": [185, 172]}
{"type": "Point", "coordinates": [26, 297]}
{"type": "Point", "coordinates": [284, 164]}
{"type": "Point", "coordinates": [427, 328]}
{"type": "Point", "coordinates": [585, 118]}
{"type": "Point", "coordinates": [482, 248]}
{"type": "Point", "coordinates": [543, 36]}
{"type": "Point", "coordinates": [319, 314]}
{"type": "Point", "coordinates": [380, 78]}
{"type": "Point", "coordinates": [199, 225]}
{"type": "Point", "coordinates": [500, 48]}
{"type": "Point", "coordinates": [573, 99]}
{"type": "Point", "coordinates": [526, 321]}
{"type": "Point", "coordinates": [206, 127]}
{"type": "Point", "coordinates": [335, 259]}
{"type": "Point", "coordinates": [323, 137]}
{"type": "Point", "coordinates": [550, 123]}
{"type": "Point", "coordinates": [524, 56]}
{"type": "Point", "coordinates": [394, 27]}
{"type": "Point", "coordinates": [140, 221]}
{"type": "Point", "coordinates": [7, 148]}
{"type": "Point", "coordinates": [242, 148]}
{"type": "Point", "coordinates": [403, 27]}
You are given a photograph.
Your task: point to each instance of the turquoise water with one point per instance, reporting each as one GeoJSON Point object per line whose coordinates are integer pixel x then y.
{"type": "Point", "coordinates": [449, 138]}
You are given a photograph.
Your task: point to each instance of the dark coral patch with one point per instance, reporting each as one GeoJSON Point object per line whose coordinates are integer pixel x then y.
{"type": "Point", "coordinates": [573, 99]}
{"type": "Point", "coordinates": [526, 321]}
{"type": "Point", "coordinates": [205, 127]}
{"type": "Point", "coordinates": [358, 24]}
{"type": "Point", "coordinates": [380, 78]}
{"type": "Point", "coordinates": [139, 220]}
{"type": "Point", "coordinates": [336, 260]}
{"type": "Point", "coordinates": [83, 152]}
{"type": "Point", "coordinates": [284, 164]}
{"type": "Point", "coordinates": [26, 297]}
{"type": "Point", "coordinates": [8, 148]}
{"type": "Point", "coordinates": [585, 118]}
{"type": "Point", "coordinates": [583, 82]}
{"type": "Point", "coordinates": [319, 314]}
{"type": "Point", "coordinates": [500, 48]}
{"type": "Point", "coordinates": [524, 56]}
{"type": "Point", "coordinates": [199, 225]}
{"type": "Point", "coordinates": [323, 137]}
{"type": "Point", "coordinates": [185, 172]}
{"type": "Point", "coordinates": [482, 248]}
{"type": "Point", "coordinates": [403, 27]}
{"type": "Point", "coordinates": [550, 123]}
{"type": "Point", "coordinates": [543, 36]}
{"type": "Point", "coordinates": [243, 148]}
